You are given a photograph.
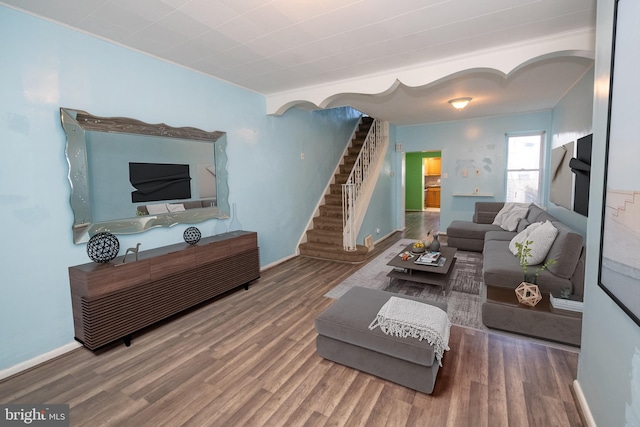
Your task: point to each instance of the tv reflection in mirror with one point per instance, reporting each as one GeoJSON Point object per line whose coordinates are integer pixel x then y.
{"type": "Point", "coordinates": [159, 182]}
{"type": "Point", "coordinates": [178, 175]}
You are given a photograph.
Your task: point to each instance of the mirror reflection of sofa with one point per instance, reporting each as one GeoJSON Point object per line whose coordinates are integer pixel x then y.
{"type": "Point", "coordinates": [501, 269]}
{"type": "Point", "coordinates": [161, 208]}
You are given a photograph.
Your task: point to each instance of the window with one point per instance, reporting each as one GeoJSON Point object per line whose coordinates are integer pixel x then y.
{"type": "Point", "coordinates": [524, 159]}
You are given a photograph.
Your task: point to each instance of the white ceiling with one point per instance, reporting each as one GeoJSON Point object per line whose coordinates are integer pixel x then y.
{"type": "Point", "coordinates": [277, 46]}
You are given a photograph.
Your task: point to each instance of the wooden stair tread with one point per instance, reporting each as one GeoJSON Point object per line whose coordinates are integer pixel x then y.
{"type": "Point", "coordinates": [324, 241]}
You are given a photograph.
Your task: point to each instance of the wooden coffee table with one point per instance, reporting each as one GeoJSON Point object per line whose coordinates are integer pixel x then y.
{"type": "Point", "coordinates": [438, 276]}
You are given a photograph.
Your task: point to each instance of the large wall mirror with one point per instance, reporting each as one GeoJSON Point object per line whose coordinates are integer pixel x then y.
{"type": "Point", "coordinates": [128, 176]}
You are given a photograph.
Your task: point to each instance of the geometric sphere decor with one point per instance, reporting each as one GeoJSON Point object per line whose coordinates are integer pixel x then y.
{"type": "Point", "coordinates": [528, 294]}
{"type": "Point", "coordinates": [103, 247]}
{"type": "Point", "coordinates": [192, 235]}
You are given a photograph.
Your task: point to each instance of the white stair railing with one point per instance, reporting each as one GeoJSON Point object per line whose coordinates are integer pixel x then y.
{"type": "Point", "coordinates": [352, 189]}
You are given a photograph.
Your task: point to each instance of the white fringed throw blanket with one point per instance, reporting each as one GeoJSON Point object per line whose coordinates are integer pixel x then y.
{"type": "Point", "coordinates": [407, 318]}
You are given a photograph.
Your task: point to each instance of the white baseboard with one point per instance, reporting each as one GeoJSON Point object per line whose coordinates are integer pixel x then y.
{"type": "Point", "coordinates": [380, 239]}
{"type": "Point", "coordinates": [23, 366]}
{"type": "Point", "coordinates": [280, 261]}
{"type": "Point", "coordinates": [582, 405]}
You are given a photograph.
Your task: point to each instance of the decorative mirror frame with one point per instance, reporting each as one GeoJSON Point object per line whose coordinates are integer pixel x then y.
{"type": "Point", "coordinates": [77, 122]}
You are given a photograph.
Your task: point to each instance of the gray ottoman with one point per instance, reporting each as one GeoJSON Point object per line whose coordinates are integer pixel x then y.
{"type": "Point", "coordinates": [344, 337]}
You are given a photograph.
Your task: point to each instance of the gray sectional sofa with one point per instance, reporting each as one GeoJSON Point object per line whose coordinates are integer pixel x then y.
{"type": "Point", "coordinates": [502, 270]}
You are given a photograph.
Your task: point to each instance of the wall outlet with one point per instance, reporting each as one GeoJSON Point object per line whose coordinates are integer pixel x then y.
{"type": "Point", "coordinates": [476, 190]}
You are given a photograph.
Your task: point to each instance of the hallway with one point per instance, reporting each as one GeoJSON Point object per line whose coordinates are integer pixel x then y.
{"type": "Point", "coordinates": [419, 224]}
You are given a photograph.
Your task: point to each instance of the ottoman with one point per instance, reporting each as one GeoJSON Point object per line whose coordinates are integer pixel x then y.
{"type": "Point", "coordinates": [344, 337]}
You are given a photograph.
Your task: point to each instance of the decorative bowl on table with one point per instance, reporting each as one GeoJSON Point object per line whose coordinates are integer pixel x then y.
{"type": "Point", "coordinates": [418, 247]}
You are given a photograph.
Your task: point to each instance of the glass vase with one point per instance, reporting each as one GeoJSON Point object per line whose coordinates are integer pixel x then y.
{"type": "Point", "coordinates": [221, 226]}
{"type": "Point", "coordinates": [235, 224]}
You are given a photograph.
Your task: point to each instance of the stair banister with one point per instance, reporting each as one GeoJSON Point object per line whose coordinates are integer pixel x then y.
{"type": "Point", "coordinates": [352, 189]}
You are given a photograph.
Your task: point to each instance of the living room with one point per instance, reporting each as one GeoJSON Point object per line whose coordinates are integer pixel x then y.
{"type": "Point", "coordinates": [52, 66]}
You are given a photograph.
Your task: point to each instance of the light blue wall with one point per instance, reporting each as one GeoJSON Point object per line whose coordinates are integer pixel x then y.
{"type": "Point", "coordinates": [275, 189]}
{"type": "Point", "coordinates": [46, 66]}
{"type": "Point", "coordinates": [472, 145]}
{"type": "Point", "coordinates": [381, 217]}
{"type": "Point", "coordinates": [571, 120]}
{"type": "Point", "coordinates": [609, 364]}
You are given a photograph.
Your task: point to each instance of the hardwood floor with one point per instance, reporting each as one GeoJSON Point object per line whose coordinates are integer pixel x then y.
{"type": "Point", "coordinates": [248, 359]}
{"type": "Point", "coordinates": [418, 224]}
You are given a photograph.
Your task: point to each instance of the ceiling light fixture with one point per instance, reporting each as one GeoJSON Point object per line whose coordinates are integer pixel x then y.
{"type": "Point", "coordinates": [459, 103]}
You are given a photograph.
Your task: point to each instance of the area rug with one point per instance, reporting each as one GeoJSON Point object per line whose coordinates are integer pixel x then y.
{"type": "Point", "coordinates": [462, 293]}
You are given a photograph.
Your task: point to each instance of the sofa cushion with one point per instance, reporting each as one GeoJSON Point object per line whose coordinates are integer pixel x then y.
{"type": "Point", "coordinates": [499, 235]}
{"type": "Point", "coordinates": [534, 212]}
{"type": "Point", "coordinates": [501, 268]}
{"type": "Point", "coordinates": [469, 230]}
{"type": "Point", "coordinates": [566, 250]}
{"type": "Point", "coordinates": [524, 223]}
{"type": "Point", "coordinates": [541, 240]}
{"type": "Point", "coordinates": [485, 212]}
{"type": "Point", "coordinates": [192, 204]}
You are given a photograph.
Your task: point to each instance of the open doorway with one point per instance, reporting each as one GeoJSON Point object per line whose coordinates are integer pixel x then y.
{"type": "Point", "coordinates": [432, 168]}
{"type": "Point", "coordinates": [422, 181]}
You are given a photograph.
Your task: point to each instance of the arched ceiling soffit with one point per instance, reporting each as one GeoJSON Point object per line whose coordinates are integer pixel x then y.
{"type": "Point", "coordinates": [537, 85]}
{"type": "Point", "coordinates": [461, 81]}
{"type": "Point", "coordinates": [503, 61]}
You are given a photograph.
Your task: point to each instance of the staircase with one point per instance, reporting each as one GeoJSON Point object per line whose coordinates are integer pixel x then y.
{"type": "Point", "coordinates": [325, 239]}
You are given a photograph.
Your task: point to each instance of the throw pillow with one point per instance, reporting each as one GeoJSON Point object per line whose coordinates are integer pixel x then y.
{"type": "Point", "coordinates": [510, 214]}
{"type": "Point", "coordinates": [511, 220]}
{"type": "Point", "coordinates": [542, 237]}
{"type": "Point", "coordinates": [157, 209]}
{"type": "Point", "coordinates": [502, 213]}
{"type": "Point", "coordinates": [522, 237]}
{"type": "Point", "coordinates": [175, 207]}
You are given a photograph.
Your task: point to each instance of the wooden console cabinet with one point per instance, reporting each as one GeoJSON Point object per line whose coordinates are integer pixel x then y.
{"type": "Point", "coordinates": [111, 301]}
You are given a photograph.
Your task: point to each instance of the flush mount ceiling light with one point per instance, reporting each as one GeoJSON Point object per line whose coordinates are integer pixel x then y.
{"type": "Point", "coordinates": [459, 103]}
